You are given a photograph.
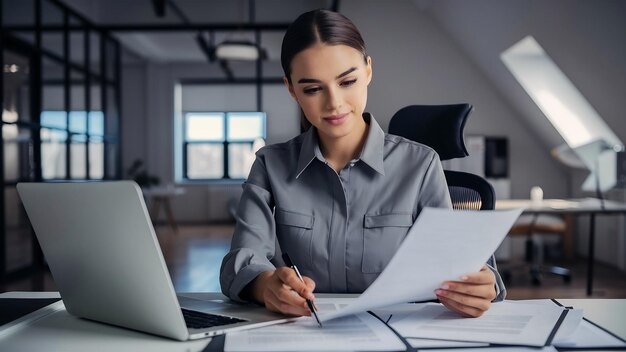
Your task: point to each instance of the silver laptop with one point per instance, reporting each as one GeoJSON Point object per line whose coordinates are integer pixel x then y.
{"type": "Point", "coordinates": [107, 264]}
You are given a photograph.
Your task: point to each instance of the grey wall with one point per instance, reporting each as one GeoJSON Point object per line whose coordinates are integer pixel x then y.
{"type": "Point", "coordinates": [424, 52]}
{"type": "Point", "coordinates": [134, 117]}
{"type": "Point", "coordinates": [281, 110]}
{"type": "Point", "coordinates": [148, 127]}
{"type": "Point", "coordinates": [583, 37]}
{"type": "Point", "coordinates": [415, 61]}
{"type": "Point", "coordinates": [586, 39]}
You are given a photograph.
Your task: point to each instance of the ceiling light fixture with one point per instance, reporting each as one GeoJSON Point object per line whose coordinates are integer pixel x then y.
{"type": "Point", "coordinates": [11, 68]}
{"type": "Point", "coordinates": [229, 50]}
{"type": "Point", "coordinates": [241, 50]}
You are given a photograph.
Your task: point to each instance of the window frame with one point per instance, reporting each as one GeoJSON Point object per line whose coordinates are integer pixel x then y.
{"type": "Point", "coordinates": [225, 143]}
{"type": "Point", "coordinates": [72, 138]}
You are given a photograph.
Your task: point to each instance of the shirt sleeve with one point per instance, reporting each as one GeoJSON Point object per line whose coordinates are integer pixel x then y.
{"type": "Point", "coordinates": [500, 289]}
{"type": "Point", "coordinates": [434, 189]}
{"type": "Point", "coordinates": [253, 243]}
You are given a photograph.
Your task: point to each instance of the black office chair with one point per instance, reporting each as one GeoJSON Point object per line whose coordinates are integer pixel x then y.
{"type": "Point", "coordinates": [534, 253]}
{"type": "Point", "coordinates": [441, 128]}
{"type": "Point", "coordinates": [469, 191]}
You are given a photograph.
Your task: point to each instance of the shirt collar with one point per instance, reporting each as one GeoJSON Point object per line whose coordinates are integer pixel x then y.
{"type": "Point", "coordinates": [372, 153]}
{"type": "Point", "coordinates": [310, 150]}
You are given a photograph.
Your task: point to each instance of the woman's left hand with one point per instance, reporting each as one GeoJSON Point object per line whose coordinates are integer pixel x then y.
{"type": "Point", "coordinates": [472, 295]}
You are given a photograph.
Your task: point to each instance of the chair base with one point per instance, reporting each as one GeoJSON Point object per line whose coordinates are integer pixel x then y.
{"type": "Point", "coordinates": [536, 273]}
{"type": "Point", "coordinates": [534, 262]}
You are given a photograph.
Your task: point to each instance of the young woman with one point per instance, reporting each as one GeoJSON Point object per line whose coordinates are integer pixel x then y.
{"type": "Point", "coordinates": [340, 197]}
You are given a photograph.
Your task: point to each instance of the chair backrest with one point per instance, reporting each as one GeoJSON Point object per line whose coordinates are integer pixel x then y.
{"type": "Point", "coordinates": [437, 126]}
{"type": "Point", "coordinates": [441, 128]}
{"type": "Point", "coordinates": [469, 191]}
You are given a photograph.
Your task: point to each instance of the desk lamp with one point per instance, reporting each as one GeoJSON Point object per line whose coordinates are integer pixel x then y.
{"type": "Point", "coordinates": [604, 161]}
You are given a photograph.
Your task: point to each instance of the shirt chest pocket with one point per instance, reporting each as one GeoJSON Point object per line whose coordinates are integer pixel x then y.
{"type": "Point", "coordinates": [382, 236]}
{"type": "Point", "coordinates": [295, 234]}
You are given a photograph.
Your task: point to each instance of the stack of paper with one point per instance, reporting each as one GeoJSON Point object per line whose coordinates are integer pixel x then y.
{"type": "Point", "coordinates": [506, 326]}
{"type": "Point", "coordinates": [362, 332]}
{"type": "Point", "coordinates": [576, 332]}
{"type": "Point", "coordinates": [504, 323]}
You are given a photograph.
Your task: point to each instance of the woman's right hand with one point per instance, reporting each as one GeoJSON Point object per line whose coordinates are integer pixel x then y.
{"type": "Point", "coordinates": [282, 291]}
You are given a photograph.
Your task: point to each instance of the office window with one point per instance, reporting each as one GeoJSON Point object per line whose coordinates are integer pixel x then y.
{"type": "Point", "coordinates": [561, 102]}
{"type": "Point", "coordinates": [54, 137]}
{"type": "Point", "coordinates": [590, 142]}
{"type": "Point", "coordinates": [220, 145]}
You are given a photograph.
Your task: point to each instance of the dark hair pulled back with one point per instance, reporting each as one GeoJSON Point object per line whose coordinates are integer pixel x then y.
{"type": "Point", "coordinates": [318, 26]}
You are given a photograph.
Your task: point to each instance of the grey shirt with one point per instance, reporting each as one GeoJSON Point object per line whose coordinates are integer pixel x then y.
{"type": "Point", "coordinates": [340, 229]}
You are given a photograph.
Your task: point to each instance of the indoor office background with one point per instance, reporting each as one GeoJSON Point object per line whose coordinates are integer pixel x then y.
{"type": "Point", "coordinates": [132, 89]}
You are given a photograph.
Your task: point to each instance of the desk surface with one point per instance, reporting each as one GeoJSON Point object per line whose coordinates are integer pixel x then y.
{"type": "Point", "coordinates": [562, 206]}
{"type": "Point", "coordinates": [609, 313]}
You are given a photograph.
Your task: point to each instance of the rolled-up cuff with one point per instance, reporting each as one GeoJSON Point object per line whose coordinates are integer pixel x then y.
{"type": "Point", "coordinates": [244, 277]}
{"type": "Point", "coordinates": [500, 289]}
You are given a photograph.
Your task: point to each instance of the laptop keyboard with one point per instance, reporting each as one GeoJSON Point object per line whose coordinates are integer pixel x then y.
{"type": "Point", "coordinates": [199, 320]}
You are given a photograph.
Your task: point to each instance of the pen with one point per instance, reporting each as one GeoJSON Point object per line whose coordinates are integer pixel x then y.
{"type": "Point", "coordinates": [308, 301]}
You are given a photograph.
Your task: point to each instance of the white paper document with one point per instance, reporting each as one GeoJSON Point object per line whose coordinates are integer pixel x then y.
{"type": "Point", "coordinates": [362, 332]}
{"type": "Point", "coordinates": [499, 349]}
{"type": "Point", "coordinates": [504, 323]}
{"type": "Point", "coordinates": [568, 327]}
{"type": "Point", "coordinates": [429, 343]}
{"type": "Point", "coordinates": [588, 335]}
{"type": "Point", "coordinates": [442, 244]}
{"type": "Point", "coordinates": [575, 332]}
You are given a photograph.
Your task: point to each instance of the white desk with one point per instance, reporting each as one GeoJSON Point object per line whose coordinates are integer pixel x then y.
{"type": "Point", "coordinates": [585, 206]}
{"type": "Point", "coordinates": [63, 332]}
{"type": "Point", "coordinates": [608, 313]}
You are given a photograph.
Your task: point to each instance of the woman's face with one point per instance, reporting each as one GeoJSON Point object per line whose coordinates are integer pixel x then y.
{"type": "Point", "coordinates": [329, 82]}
